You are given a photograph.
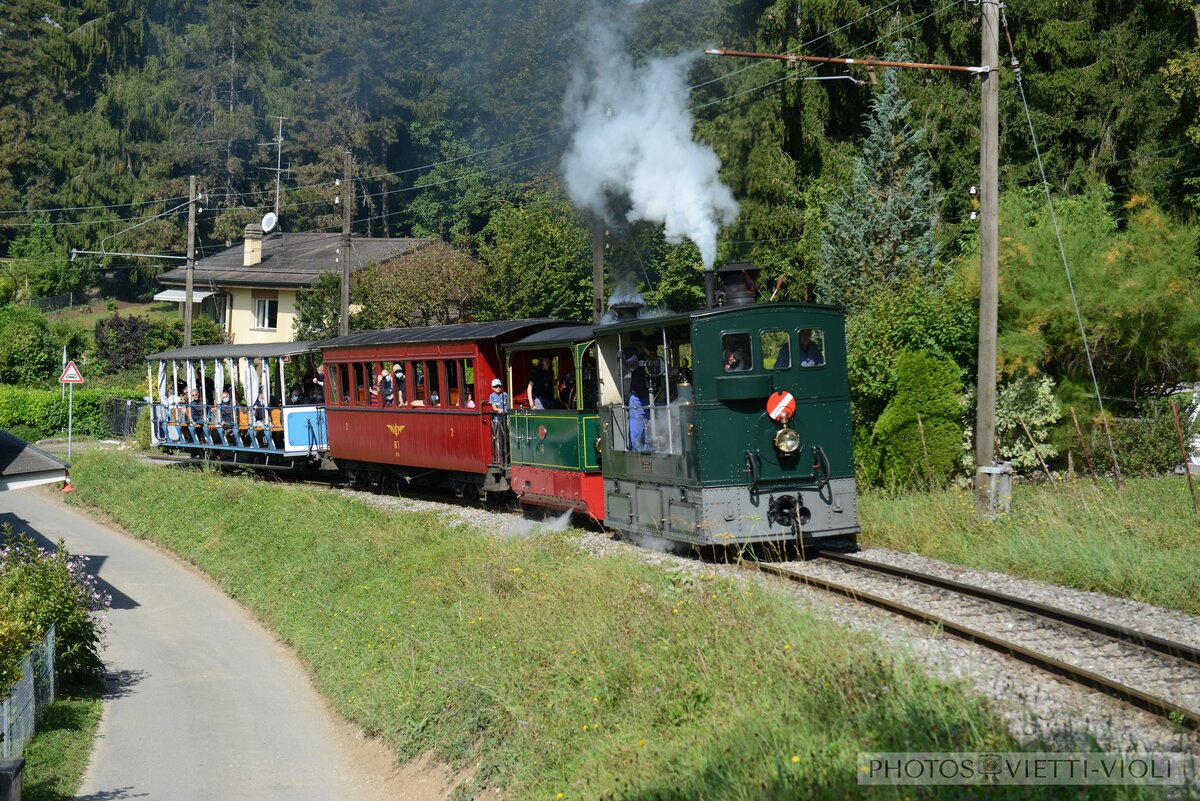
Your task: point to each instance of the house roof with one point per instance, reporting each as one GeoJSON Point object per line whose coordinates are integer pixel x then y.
{"type": "Point", "coordinates": [290, 260]}
{"type": "Point", "coordinates": [23, 465]}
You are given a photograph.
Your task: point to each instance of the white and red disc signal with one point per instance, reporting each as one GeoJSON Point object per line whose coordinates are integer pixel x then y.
{"type": "Point", "coordinates": [781, 404]}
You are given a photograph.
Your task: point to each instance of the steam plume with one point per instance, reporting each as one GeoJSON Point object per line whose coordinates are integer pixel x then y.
{"type": "Point", "coordinates": [631, 139]}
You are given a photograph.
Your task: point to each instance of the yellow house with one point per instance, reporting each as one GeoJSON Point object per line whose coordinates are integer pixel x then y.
{"type": "Point", "coordinates": [250, 289]}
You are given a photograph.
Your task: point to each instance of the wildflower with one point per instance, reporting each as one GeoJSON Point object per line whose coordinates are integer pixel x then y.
{"type": "Point", "coordinates": [641, 742]}
{"type": "Point", "coordinates": [795, 759]}
{"type": "Point", "coordinates": [559, 795]}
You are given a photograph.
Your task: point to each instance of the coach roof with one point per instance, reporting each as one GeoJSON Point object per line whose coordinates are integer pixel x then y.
{"type": "Point", "coordinates": [264, 349]}
{"type": "Point", "coordinates": [461, 332]}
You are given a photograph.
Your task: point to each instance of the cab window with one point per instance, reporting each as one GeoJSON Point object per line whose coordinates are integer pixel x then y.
{"type": "Point", "coordinates": [776, 350]}
{"type": "Point", "coordinates": [737, 354]}
{"type": "Point", "coordinates": [810, 351]}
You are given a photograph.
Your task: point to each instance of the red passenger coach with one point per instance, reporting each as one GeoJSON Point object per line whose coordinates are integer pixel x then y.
{"type": "Point", "coordinates": [411, 404]}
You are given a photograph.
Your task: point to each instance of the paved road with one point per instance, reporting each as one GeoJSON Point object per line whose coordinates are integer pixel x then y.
{"type": "Point", "coordinates": [203, 703]}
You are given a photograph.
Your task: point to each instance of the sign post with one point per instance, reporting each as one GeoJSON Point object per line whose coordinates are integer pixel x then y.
{"type": "Point", "coordinates": [69, 378]}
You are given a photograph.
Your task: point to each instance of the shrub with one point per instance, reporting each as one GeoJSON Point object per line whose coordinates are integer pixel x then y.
{"type": "Point", "coordinates": [142, 431]}
{"type": "Point", "coordinates": [16, 638]}
{"type": "Point", "coordinates": [1031, 400]}
{"type": "Point", "coordinates": [44, 411]}
{"type": "Point", "coordinates": [121, 342]}
{"type": "Point", "coordinates": [40, 588]}
{"type": "Point", "coordinates": [27, 350]}
{"type": "Point", "coordinates": [928, 386]}
{"type": "Point", "coordinates": [1146, 445]}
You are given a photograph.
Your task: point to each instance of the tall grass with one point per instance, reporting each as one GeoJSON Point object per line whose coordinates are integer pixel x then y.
{"type": "Point", "coordinates": [1140, 542]}
{"type": "Point", "coordinates": [561, 675]}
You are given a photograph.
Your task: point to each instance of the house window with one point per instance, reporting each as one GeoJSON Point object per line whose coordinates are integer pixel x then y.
{"type": "Point", "coordinates": [266, 313]}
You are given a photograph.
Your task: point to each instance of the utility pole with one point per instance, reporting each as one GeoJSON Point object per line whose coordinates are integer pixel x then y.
{"type": "Point", "coordinates": [989, 255]}
{"type": "Point", "coordinates": [278, 164]}
{"type": "Point", "coordinates": [347, 200]}
{"type": "Point", "coordinates": [191, 263]}
{"type": "Point", "coordinates": [597, 267]}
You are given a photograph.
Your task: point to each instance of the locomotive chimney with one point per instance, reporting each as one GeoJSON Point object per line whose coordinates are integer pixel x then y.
{"type": "Point", "coordinates": [741, 285]}
{"type": "Point", "coordinates": [626, 310]}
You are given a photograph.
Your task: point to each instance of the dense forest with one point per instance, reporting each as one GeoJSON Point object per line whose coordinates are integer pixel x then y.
{"type": "Point", "coordinates": [851, 184]}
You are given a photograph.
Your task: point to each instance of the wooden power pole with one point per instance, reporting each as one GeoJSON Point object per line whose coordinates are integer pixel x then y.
{"type": "Point", "coordinates": [347, 200]}
{"type": "Point", "coordinates": [191, 263]}
{"type": "Point", "coordinates": [989, 240]}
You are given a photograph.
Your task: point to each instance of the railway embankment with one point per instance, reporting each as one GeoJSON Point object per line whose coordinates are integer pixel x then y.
{"type": "Point", "coordinates": [1138, 542]}
{"type": "Point", "coordinates": [539, 670]}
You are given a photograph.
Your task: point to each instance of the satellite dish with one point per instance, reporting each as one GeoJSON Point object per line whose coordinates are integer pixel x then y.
{"type": "Point", "coordinates": [268, 221]}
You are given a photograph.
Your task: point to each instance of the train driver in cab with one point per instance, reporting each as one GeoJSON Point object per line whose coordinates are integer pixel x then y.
{"type": "Point", "coordinates": [810, 352]}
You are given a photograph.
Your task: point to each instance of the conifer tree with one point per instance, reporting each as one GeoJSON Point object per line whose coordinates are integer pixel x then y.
{"type": "Point", "coordinates": [880, 234]}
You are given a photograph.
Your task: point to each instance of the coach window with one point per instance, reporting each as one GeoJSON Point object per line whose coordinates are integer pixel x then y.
{"type": "Point", "coordinates": [776, 350]}
{"type": "Point", "coordinates": [433, 396]}
{"type": "Point", "coordinates": [363, 379]}
{"type": "Point", "coordinates": [418, 379]}
{"type": "Point", "coordinates": [470, 400]}
{"type": "Point", "coordinates": [736, 352]}
{"type": "Point", "coordinates": [400, 383]}
{"type": "Point", "coordinates": [811, 350]}
{"type": "Point", "coordinates": [333, 388]}
{"type": "Point", "coordinates": [453, 396]}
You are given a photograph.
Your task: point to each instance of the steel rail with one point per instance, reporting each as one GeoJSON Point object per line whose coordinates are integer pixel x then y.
{"type": "Point", "coordinates": [1141, 700]}
{"type": "Point", "coordinates": [1112, 630]}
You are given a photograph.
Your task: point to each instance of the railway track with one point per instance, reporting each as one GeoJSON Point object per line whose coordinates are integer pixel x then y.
{"type": "Point", "coordinates": [1153, 674]}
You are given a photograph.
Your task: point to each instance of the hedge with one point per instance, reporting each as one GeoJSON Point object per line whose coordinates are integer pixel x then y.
{"type": "Point", "coordinates": [45, 410]}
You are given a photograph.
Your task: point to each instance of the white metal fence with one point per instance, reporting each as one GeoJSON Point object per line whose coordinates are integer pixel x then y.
{"type": "Point", "coordinates": [32, 693]}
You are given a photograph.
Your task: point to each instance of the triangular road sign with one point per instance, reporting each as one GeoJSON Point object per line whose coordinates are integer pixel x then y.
{"type": "Point", "coordinates": [71, 374]}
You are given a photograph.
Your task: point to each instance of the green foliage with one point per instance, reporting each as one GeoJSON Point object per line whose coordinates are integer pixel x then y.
{"type": "Point", "coordinates": [141, 431]}
{"type": "Point", "coordinates": [121, 342]}
{"type": "Point", "coordinates": [27, 350]}
{"type": "Point", "coordinates": [434, 285]}
{"type": "Point", "coordinates": [57, 756]}
{"type": "Point", "coordinates": [927, 406]}
{"type": "Point", "coordinates": [1138, 290]}
{"type": "Point", "coordinates": [942, 321]}
{"type": "Point", "coordinates": [44, 411]}
{"type": "Point", "coordinates": [318, 308]}
{"type": "Point", "coordinates": [43, 588]}
{"type": "Point", "coordinates": [1146, 444]}
{"type": "Point", "coordinates": [538, 262]}
{"type": "Point", "coordinates": [1030, 400]}
{"type": "Point", "coordinates": [37, 268]}
{"type": "Point", "coordinates": [635, 687]}
{"type": "Point", "coordinates": [880, 234]}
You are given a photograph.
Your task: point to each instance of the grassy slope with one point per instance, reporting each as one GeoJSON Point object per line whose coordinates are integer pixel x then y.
{"type": "Point", "coordinates": [567, 676]}
{"type": "Point", "coordinates": [1142, 542]}
{"type": "Point", "coordinates": [57, 756]}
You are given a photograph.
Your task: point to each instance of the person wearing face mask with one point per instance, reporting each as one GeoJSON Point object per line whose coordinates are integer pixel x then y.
{"type": "Point", "coordinates": [225, 417]}
{"type": "Point", "coordinates": [295, 395]}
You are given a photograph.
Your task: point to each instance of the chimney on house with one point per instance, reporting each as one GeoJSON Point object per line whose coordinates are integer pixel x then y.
{"type": "Point", "coordinates": [252, 252]}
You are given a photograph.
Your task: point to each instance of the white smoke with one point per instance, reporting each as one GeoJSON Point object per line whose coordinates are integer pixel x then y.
{"type": "Point", "coordinates": [631, 138]}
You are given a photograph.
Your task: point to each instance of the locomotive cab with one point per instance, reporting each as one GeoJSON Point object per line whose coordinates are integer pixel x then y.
{"type": "Point", "coordinates": [728, 425]}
